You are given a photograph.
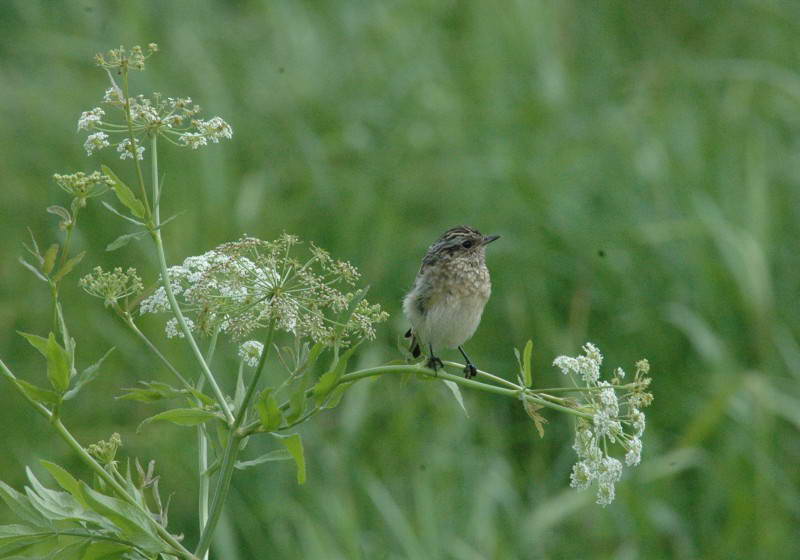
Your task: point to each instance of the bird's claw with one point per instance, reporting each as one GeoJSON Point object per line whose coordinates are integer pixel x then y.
{"type": "Point", "coordinates": [470, 371]}
{"type": "Point", "coordinates": [434, 363]}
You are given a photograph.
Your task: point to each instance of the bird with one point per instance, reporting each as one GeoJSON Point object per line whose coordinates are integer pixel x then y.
{"type": "Point", "coordinates": [445, 304]}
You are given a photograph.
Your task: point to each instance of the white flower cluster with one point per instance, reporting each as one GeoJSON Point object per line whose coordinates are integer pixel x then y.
{"type": "Point", "coordinates": [616, 419]}
{"type": "Point", "coordinates": [248, 284]}
{"type": "Point", "coordinates": [174, 118]}
{"type": "Point", "coordinates": [250, 352]}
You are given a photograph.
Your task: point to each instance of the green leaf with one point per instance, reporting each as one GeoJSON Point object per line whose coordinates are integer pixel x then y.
{"type": "Point", "coordinates": [294, 445]}
{"type": "Point", "coordinates": [33, 269]}
{"type": "Point", "coordinates": [68, 266]}
{"type": "Point", "coordinates": [330, 378]}
{"type": "Point", "coordinates": [527, 375]}
{"type": "Point", "coordinates": [125, 194]}
{"type": "Point", "coordinates": [50, 258]}
{"type": "Point", "coordinates": [87, 376]}
{"type": "Point", "coordinates": [274, 455]}
{"type": "Point", "coordinates": [268, 411]}
{"type": "Point", "coordinates": [151, 392]}
{"type": "Point", "coordinates": [21, 506]}
{"type": "Point", "coordinates": [57, 365]}
{"type": "Point", "coordinates": [297, 399]}
{"type": "Point", "coordinates": [121, 215]}
{"type": "Point", "coordinates": [37, 393]}
{"type": "Point", "coordinates": [133, 523]}
{"type": "Point", "coordinates": [65, 480]}
{"type": "Point", "coordinates": [38, 342]}
{"type": "Point", "coordinates": [123, 240]}
{"type": "Point", "coordinates": [456, 394]}
{"type": "Point", "coordinates": [15, 533]}
{"type": "Point", "coordinates": [181, 417]}
{"type": "Point", "coordinates": [335, 397]}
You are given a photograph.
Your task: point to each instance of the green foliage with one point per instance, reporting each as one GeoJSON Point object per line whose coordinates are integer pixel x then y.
{"type": "Point", "coordinates": [639, 160]}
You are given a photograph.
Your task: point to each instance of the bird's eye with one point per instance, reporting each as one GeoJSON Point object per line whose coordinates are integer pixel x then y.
{"type": "Point", "coordinates": [467, 244]}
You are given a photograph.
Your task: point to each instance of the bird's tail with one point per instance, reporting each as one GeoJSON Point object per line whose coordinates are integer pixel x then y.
{"type": "Point", "coordinates": [414, 348]}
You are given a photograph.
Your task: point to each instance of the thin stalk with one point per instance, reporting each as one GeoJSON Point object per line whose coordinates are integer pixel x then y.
{"type": "Point", "coordinates": [154, 180]}
{"type": "Point", "coordinates": [67, 436]}
{"type": "Point", "coordinates": [133, 142]}
{"type": "Point", "coordinates": [488, 375]}
{"type": "Point", "coordinates": [162, 261]}
{"type": "Point", "coordinates": [232, 449]}
{"type": "Point", "coordinates": [204, 490]}
{"type": "Point", "coordinates": [129, 321]}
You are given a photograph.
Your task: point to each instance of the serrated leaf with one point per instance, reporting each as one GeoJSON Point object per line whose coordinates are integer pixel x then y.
{"type": "Point", "coordinates": [33, 269]}
{"type": "Point", "coordinates": [65, 480]}
{"type": "Point", "coordinates": [87, 376]}
{"type": "Point", "coordinates": [67, 267]}
{"type": "Point", "coordinates": [527, 374]}
{"type": "Point", "coordinates": [268, 411]}
{"type": "Point", "coordinates": [123, 240]}
{"type": "Point", "coordinates": [38, 342]}
{"type": "Point", "coordinates": [274, 455]}
{"type": "Point", "coordinates": [38, 394]}
{"type": "Point", "coordinates": [125, 194]}
{"type": "Point", "coordinates": [181, 417]}
{"type": "Point", "coordinates": [21, 506]}
{"type": "Point", "coordinates": [294, 445]}
{"type": "Point", "coordinates": [132, 522]}
{"type": "Point", "coordinates": [456, 391]}
{"type": "Point", "coordinates": [50, 258]}
{"type": "Point", "coordinates": [57, 365]}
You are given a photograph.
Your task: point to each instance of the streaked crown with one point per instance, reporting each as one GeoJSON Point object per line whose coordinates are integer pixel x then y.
{"type": "Point", "coordinates": [459, 241]}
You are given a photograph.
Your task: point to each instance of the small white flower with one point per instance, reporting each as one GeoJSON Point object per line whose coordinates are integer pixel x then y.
{"type": "Point", "coordinates": [215, 129]}
{"type": "Point", "coordinates": [90, 118]}
{"type": "Point", "coordinates": [114, 96]}
{"type": "Point", "coordinates": [605, 493]}
{"type": "Point", "coordinates": [193, 140]}
{"type": "Point", "coordinates": [593, 353]}
{"type": "Point", "coordinates": [250, 352]}
{"type": "Point", "coordinates": [634, 454]}
{"type": "Point", "coordinates": [172, 329]}
{"type": "Point", "coordinates": [638, 421]}
{"type": "Point", "coordinates": [608, 398]}
{"type": "Point", "coordinates": [95, 142]}
{"type": "Point", "coordinates": [619, 372]}
{"type": "Point", "coordinates": [582, 475]}
{"type": "Point", "coordinates": [609, 470]}
{"type": "Point", "coordinates": [606, 426]}
{"type": "Point", "coordinates": [125, 152]}
{"type": "Point", "coordinates": [566, 364]}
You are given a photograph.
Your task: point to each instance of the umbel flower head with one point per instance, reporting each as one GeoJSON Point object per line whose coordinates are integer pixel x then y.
{"type": "Point", "coordinates": [175, 119]}
{"type": "Point", "coordinates": [247, 284]}
{"type": "Point", "coordinates": [616, 420]}
{"type": "Point", "coordinates": [111, 286]}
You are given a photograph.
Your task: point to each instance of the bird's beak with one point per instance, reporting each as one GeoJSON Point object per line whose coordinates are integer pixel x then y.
{"type": "Point", "coordinates": [489, 238]}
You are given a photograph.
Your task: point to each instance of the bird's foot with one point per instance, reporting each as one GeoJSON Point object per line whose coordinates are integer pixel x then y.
{"type": "Point", "coordinates": [470, 371]}
{"type": "Point", "coordinates": [434, 363]}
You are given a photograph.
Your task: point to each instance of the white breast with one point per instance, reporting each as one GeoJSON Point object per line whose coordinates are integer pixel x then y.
{"type": "Point", "coordinates": [452, 321]}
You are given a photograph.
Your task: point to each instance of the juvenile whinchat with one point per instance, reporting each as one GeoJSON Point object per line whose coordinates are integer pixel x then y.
{"type": "Point", "coordinates": [449, 293]}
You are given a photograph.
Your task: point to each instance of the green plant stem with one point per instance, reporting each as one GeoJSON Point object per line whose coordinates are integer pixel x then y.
{"type": "Point", "coordinates": [154, 179]}
{"type": "Point", "coordinates": [128, 119]}
{"type": "Point", "coordinates": [517, 393]}
{"type": "Point", "coordinates": [129, 321]}
{"type": "Point", "coordinates": [491, 376]}
{"type": "Point", "coordinates": [67, 436]}
{"type": "Point", "coordinates": [232, 449]}
{"type": "Point", "coordinates": [162, 261]}
{"type": "Point", "coordinates": [204, 490]}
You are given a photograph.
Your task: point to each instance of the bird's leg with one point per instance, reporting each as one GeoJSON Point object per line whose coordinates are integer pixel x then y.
{"type": "Point", "coordinates": [469, 370]}
{"type": "Point", "coordinates": [433, 362]}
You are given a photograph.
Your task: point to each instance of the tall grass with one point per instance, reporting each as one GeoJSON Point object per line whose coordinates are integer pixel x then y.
{"type": "Point", "coordinates": [640, 160]}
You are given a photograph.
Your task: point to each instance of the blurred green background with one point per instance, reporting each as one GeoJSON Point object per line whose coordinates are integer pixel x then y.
{"type": "Point", "coordinates": [640, 160]}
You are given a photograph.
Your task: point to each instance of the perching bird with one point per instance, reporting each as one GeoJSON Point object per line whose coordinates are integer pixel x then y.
{"type": "Point", "coordinates": [449, 293]}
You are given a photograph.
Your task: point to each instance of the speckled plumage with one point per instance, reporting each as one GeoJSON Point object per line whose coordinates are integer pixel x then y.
{"type": "Point", "coordinates": [451, 289]}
